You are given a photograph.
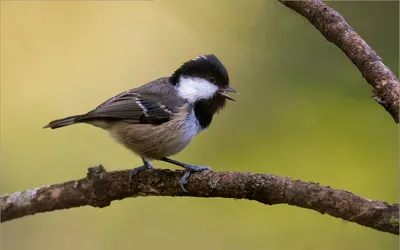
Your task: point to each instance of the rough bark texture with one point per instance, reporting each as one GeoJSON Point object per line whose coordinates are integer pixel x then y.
{"type": "Point", "coordinates": [100, 188]}
{"type": "Point", "coordinates": [386, 86]}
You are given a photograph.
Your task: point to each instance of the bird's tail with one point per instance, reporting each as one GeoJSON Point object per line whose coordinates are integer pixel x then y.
{"type": "Point", "coordinates": [63, 122]}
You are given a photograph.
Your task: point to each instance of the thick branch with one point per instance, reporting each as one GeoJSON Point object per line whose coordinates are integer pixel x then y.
{"type": "Point", "coordinates": [99, 188]}
{"type": "Point", "coordinates": [336, 30]}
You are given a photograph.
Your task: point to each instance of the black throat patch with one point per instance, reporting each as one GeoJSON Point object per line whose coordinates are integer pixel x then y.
{"type": "Point", "coordinates": [204, 110]}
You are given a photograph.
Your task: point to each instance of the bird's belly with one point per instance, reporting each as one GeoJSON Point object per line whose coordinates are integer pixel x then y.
{"type": "Point", "coordinates": [157, 141]}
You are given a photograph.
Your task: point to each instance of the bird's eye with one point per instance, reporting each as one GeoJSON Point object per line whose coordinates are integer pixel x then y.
{"type": "Point", "coordinates": [212, 78]}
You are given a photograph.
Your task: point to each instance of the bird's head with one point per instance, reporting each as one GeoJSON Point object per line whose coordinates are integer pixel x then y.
{"type": "Point", "coordinates": [203, 78]}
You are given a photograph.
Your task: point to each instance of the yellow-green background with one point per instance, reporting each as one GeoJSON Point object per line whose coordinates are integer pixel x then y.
{"type": "Point", "coordinates": [304, 112]}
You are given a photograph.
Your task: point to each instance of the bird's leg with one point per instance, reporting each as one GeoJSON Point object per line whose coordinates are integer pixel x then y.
{"type": "Point", "coordinates": [188, 170]}
{"type": "Point", "coordinates": [147, 165]}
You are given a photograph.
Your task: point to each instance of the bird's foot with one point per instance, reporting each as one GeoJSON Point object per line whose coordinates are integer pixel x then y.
{"type": "Point", "coordinates": [135, 171]}
{"type": "Point", "coordinates": [188, 170]}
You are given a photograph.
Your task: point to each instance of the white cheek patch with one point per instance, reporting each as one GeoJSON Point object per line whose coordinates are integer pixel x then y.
{"type": "Point", "coordinates": [195, 88]}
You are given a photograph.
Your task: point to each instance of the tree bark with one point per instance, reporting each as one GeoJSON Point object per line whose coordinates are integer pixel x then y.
{"type": "Point", "coordinates": [100, 188]}
{"type": "Point", "coordinates": [386, 86]}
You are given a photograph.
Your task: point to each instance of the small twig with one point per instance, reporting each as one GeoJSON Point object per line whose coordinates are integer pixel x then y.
{"type": "Point", "coordinates": [386, 86]}
{"type": "Point", "coordinates": [100, 188]}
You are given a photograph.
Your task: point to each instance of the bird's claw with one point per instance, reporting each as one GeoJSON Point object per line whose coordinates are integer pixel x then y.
{"type": "Point", "coordinates": [188, 170]}
{"type": "Point", "coordinates": [135, 171]}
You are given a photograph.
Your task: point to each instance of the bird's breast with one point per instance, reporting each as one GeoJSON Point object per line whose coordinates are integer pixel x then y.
{"type": "Point", "coordinates": [158, 141]}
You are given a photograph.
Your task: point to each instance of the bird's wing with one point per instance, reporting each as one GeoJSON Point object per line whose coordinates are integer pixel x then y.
{"type": "Point", "coordinates": [136, 106]}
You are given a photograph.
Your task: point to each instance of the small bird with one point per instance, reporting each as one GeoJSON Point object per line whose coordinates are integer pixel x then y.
{"type": "Point", "coordinates": [160, 118]}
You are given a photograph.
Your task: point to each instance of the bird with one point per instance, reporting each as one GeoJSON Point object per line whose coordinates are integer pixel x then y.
{"type": "Point", "coordinates": [160, 118]}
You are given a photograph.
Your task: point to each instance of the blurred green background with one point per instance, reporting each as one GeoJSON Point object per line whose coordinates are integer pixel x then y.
{"type": "Point", "coordinates": [304, 112]}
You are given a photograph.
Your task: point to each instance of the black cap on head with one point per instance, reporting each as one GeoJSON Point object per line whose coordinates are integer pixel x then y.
{"type": "Point", "coordinates": [207, 67]}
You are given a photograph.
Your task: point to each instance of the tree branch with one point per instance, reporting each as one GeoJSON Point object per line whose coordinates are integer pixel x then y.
{"type": "Point", "coordinates": [386, 86]}
{"type": "Point", "coordinates": [99, 188]}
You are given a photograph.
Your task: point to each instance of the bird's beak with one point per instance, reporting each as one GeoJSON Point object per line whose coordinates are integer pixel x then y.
{"type": "Point", "coordinates": [228, 89]}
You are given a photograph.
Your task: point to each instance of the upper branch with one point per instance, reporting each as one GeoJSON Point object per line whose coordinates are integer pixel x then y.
{"type": "Point", "coordinates": [336, 30]}
{"type": "Point", "coordinates": [99, 188]}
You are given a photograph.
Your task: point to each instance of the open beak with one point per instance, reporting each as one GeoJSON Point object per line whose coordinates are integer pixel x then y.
{"type": "Point", "coordinates": [223, 92]}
